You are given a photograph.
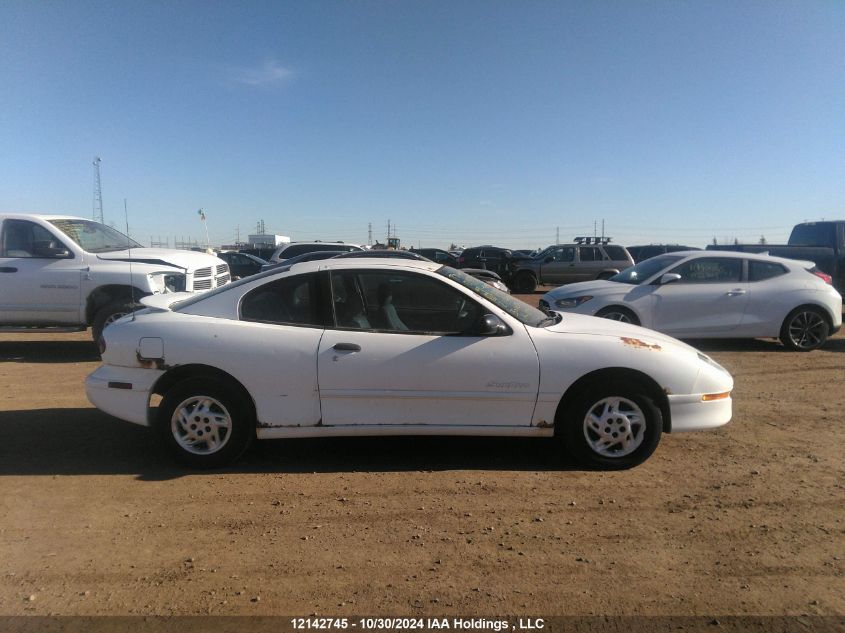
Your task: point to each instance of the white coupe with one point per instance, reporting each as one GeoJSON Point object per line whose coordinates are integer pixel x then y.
{"type": "Point", "coordinates": [714, 294]}
{"type": "Point", "coordinates": [396, 347]}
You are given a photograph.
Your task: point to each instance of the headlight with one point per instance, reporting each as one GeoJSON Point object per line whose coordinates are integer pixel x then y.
{"type": "Point", "coordinates": [712, 362]}
{"type": "Point", "coordinates": [174, 282]}
{"type": "Point", "coordinates": [167, 282]}
{"type": "Point", "coordinates": [572, 302]}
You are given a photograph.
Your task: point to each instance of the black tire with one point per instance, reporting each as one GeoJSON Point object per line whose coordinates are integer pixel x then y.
{"type": "Point", "coordinates": [108, 314]}
{"type": "Point", "coordinates": [229, 405]}
{"type": "Point", "coordinates": [804, 329]}
{"type": "Point", "coordinates": [627, 412]}
{"type": "Point", "coordinates": [524, 283]}
{"type": "Point", "coordinates": [618, 313]}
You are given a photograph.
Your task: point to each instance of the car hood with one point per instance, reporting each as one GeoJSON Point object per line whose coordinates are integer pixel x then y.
{"type": "Point", "coordinates": [187, 260]}
{"type": "Point", "coordinates": [597, 286]}
{"type": "Point", "coordinates": [163, 302]}
{"type": "Point", "coordinates": [630, 334]}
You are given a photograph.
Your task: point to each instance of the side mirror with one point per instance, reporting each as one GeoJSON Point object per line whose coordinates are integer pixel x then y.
{"type": "Point", "coordinates": [491, 325]}
{"type": "Point", "coordinates": [669, 278]}
{"type": "Point", "coordinates": [49, 250]}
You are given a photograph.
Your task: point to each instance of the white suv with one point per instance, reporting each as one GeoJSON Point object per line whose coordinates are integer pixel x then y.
{"type": "Point", "coordinates": [59, 271]}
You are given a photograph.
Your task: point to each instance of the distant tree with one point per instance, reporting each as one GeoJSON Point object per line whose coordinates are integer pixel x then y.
{"type": "Point", "coordinates": [715, 242]}
{"type": "Point", "coordinates": [762, 240]}
{"type": "Point", "coordinates": [736, 241]}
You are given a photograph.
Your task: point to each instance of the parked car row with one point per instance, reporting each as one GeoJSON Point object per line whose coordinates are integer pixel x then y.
{"type": "Point", "coordinates": [521, 270]}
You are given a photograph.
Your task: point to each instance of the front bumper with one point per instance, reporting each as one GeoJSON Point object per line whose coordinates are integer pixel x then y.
{"type": "Point", "coordinates": [123, 392]}
{"type": "Point", "coordinates": [690, 413]}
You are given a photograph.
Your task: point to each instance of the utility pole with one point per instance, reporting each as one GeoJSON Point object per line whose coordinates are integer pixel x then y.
{"type": "Point", "coordinates": [388, 229]}
{"type": "Point", "coordinates": [369, 234]}
{"type": "Point", "coordinates": [602, 229]}
{"type": "Point", "coordinates": [98, 192]}
{"type": "Point", "coordinates": [557, 235]}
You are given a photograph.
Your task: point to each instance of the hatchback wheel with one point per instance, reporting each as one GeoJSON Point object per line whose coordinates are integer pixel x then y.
{"type": "Point", "coordinates": [205, 423]}
{"type": "Point", "coordinates": [618, 313]}
{"type": "Point", "coordinates": [613, 426]}
{"type": "Point", "coordinates": [805, 329]}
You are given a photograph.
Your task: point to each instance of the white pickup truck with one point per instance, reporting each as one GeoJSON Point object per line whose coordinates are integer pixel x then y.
{"type": "Point", "coordinates": [65, 273]}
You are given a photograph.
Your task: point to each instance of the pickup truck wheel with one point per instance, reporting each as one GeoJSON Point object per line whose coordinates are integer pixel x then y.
{"type": "Point", "coordinates": [618, 313]}
{"type": "Point", "coordinates": [205, 423]}
{"type": "Point", "coordinates": [804, 329]}
{"type": "Point", "coordinates": [525, 283]}
{"type": "Point", "coordinates": [110, 313]}
{"type": "Point", "coordinates": [612, 426]}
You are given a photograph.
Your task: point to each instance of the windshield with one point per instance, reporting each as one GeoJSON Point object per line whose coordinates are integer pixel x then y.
{"type": "Point", "coordinates": [94, 237]}
{"type": "Point", "coordinates": [637, 274]}
{"type": "Point", "coordinates": [516, 308]}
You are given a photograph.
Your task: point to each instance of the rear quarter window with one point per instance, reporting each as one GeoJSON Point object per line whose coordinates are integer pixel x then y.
{"type": "Point", "coordinates": [616, 253]}
{"type": "Point", "coordinates": [760, 271]}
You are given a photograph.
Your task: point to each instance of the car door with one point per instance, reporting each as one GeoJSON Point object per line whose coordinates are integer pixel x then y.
{"type": "Point", "coordinates": [38, 283]}
{"type": "Point", "coordinates": [281, 322]}
{"type": "Point", "coordinates": [589, 265]}
{"type": "Point", "coordinates": [401, 353]}
{"type": "Point", "coordinates": [558, 266]}
{"type": "Point", "coordinates": [710, 297]}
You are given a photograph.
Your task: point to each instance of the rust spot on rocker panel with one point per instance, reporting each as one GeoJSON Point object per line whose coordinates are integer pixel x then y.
{"type": "Point", "coordinates": [635, 342]}
{"type": "Point", "coordinates": [542, 424]}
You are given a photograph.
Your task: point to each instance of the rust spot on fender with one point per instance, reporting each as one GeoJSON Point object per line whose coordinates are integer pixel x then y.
{"type": "Point", "coordinates": [542, 424]}
{"type": "Point", "coordinates": [635, 342]}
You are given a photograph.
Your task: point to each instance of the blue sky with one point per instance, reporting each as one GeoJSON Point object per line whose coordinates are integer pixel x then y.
{"type": "Point", "coordinates": [460, 121]}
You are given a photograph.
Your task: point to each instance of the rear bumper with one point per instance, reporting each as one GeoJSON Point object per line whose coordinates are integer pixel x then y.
{"type": "Point", "coordinates": [689, 413]}
{"type": "Point", "coordinates": [123, 392]}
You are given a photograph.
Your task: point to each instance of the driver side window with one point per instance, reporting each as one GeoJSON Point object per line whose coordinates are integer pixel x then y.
{"type": "Point", "coordinates": [711, 270]}
{"type": "Point", "coordinates": [564, 254]}
{"type": "Point", "coordinates": [402, 303]}
{"type": "Point", "coordinates": [22, 238]}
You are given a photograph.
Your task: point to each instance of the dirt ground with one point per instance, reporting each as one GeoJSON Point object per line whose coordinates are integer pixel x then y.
{"type": "Point", "coordinates": [747, 520]}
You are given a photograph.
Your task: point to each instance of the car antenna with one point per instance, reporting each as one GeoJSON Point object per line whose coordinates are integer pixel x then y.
{"type": "Point", "coordinates": [129, 252]}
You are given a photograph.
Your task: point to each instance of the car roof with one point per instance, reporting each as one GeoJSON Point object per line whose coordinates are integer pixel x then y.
{"type": "Point", "coordinates": [316, 243]}
{"type": "Point", "coordinates": [41, 216]}
{"type": "Point", "coordinates": [332, 263]}
{"type": "Point", "coordinates": [762, 257]}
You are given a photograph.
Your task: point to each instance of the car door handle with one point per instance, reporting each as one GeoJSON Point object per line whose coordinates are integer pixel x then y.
{"type": "Point", "coordinates": [347, 347]}
{"type": "Point", "coordinates": [735, 292]}
{"type": "Point", "coordinates": [8, 269]}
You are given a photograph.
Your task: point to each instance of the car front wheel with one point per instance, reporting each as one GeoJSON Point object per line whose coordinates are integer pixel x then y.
{"type": "Point", "coordinates": [618, 313]}
{"type": "Point", "coordinates": [205, 423]}
{"type": "Point", "coordinates": [110, 313]}
{"type": "Point", "coordinates": [613, 426]}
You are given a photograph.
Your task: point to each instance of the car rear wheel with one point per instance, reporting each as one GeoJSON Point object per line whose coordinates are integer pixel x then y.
{"type": "Point", "coordinates": [804, 329]}
{"type": "Point", "coordinates": [612, 426]}
{"type": "Point", "coordinates": [205, 423]}
{"type": "Point", "coordinates": [524, 283]}
{"type": "Point", "coordinates": [618, 313]}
